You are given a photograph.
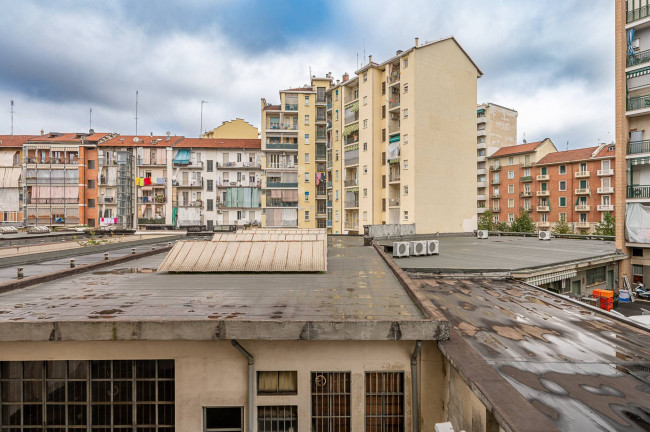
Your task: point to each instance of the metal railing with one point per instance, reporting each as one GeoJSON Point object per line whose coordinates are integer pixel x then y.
{"type": "Point", "coordinates": [241, 164]}
{"type": "Point", "coordinates": [638, 58]}
{"type": "Point", "coordinates": [642, 191]}
{"type": "Point", "coordinates": [353, 182]}
{"type": "Point", "coordinates": [352, 139]}
{"type": "Point", "coordinates": [53, 201]}
{"type": "Point", "coordinates": [272, 184]}
{"type": "Point", "coordinates": [152, 200]}
{"type": "Point", "coordinates": [352, 203]}
{"type": "Point", "coordinates": [351, 118]}
{"type": "Point", "coordinates": [583, 207]}
{"type": "Point", "coordinates": [638, 102]}
{"type": "Point", "coordinates": [282, 126]}
{"type": "Point", "coordinates": [281, 146]}
{"type": "Point", "coordinates": [351, 161]}
{"type": "Point", "coordinates": [393, 127]}
{"type": "Point", "coordinates": [637, 14]}
{"type": "Point", "coordinates": [281, 165]}
{"type": "Point", "coordinates": [151, 221]}
{"type": "Point", "coordinates": [636, 147]}
{"type": "Point", "coordinates": [189, 183]}
{"type": "Point", "coordinates": [394, 178]}
{"type": "Point", "coordinates": [526, 179]}
{"type": "Point", "coordinates": [106, 161]}
{"type": "Point", "coordinates": [394, 104]}
{"type": "Point", "coordinates": [291, 107]}
{"type": "Point", "coordinates": [393, 202]}
{"type": "Point", "coordinates": [277, 202]}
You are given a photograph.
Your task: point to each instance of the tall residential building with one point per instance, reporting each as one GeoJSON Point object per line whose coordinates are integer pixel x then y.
{"type": "Point", "coordinates": [496, 127]}
{"type": "Point", "coordinates": [576, 185]}
{"type": "Point", "coordinates": [400, 133]}
{"type": "Point", "coordinates": [632, 169]}
{"type": "Point", "coordinates": [11, 190]}
{"type": "Point", "coordinates": [511, 178]}
{"type": "Point", "coordinates": [294, 145]}
{"type": "Point", "coordinates": [60, 178]}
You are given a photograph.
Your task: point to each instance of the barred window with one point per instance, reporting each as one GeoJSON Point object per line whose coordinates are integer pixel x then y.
{"type": "Point", "coordinates": [384, 401]}
{"type": "Point", "coordinates": [97, 396]}
{"type": "Point", "coordinates": [277, 418]}
{"type": "Point", "coordinates": [330, 401]}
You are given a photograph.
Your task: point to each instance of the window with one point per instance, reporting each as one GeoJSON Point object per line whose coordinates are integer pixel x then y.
{"type": "Point", "coordinates": [384, 401]}
{"type": "Point", "coordinates": [365, 123]}
{"type": "Point", "coordinates": [337, 195]}
{"type": "Point", "coordinates": [283, 418]}
{"type": "Point", "coordinates": [307, 196]}
{"type": "Point", "coordinates": [543, 170]}
{"type": "Point", "coordinates": [337, 155]}
{"type": "Point", "coordinates": [406, 63]}
{"type": "Point", "coordinates": [336, 175]}
{"type": "Point", "coordinates": [365, 215]}
{"type": "Point", "coordinates": [365, 76]}
{"type": "Point", "coordinates": [511, 217]}
{"type": "Point", "coordinates": [562, 169]}
{"type": "Point", "coordinates": [383, 135]}
{"type": "Point", "coordinates": [306, 119]}
{"type": "Point", "coordinates": [406, 139]}
{"type": "Point", "coordinates": [306, 157]}
{"type": "Point", "coordinates": [337, 135]}
{"type": "Point", "coordinates": [330, 401]}
{"type": "Point", "coordinates": [306, 138]}
{"type": "Point", "coordinates": [306, 215]}
{"type": "Point", "coordinates": [544, 215]}
{"type": "Point", "coordinates": [406, 215]}
{"type": "Point", "coordinates": [637, 252]}
{"type": "Point", "coordinates": [511, 189]}
{"type": "Point", "coordinates": [406, 190]}
{"type": "Point", "coordinates": [91, 184]}
{"type": "Point", "coordinates": [53, 395]}
{"type": "Point", "coordinates": [595, 275]}
{"type": "Point", "coordinates": [406, 113]}
{"type": "Point", "coordinates": [637, 270]}
{"type": "Point", "coordinates": [562, 217]}
{"type": "Point", "coordinates": [406, 88]}
{"type": "Point", "coordinates": [583, 167]}
{"type": "Point", "coordinates": [91, 203]}
{"type": "Point", "coordinates": [511, 203]}
{"type": "Point", "coordinates": [383, 181]}
{"type": "Point", "coordinates": [383, 87]}
{"type": "Point", "coordinates": [365, 146]}
{"type": "Point", "coordinates": [306, 100]}
{"type": "Point", "coordinates": [209, 185]}
{"type": "Point", "coordinates": [210, 205]}
{"type": "Point", "coordinates": [223, 419]}
{"type": "Point", "coordinates": [383, 111]}
{"type": "Point", "coordinates": [605, 165]}
{"type": "Point", "coordinates": [511, 161]}
{"type": "Point", "coordinates": [365, 192]}
{"type": "Point", "coordinates": [91, 222]}
{"type": "Point", "coordinates": [277, 382]}
{"type": "Point", "coordinates": [210, 166]}
{"type": "Point", "coordinates": [511, 174]}
{"type": "Point", "coordinates": [383, 158]}
{"type": "Point", "coordinates": [365, 100]}
{"type": "Point", "coordinates": [91, 164]}
{"type": "Point", "coordinates": [337, 114]}
{"type": "Point", "coordinates": [306, 177]}
{"type": "Point", "coordinates": [495, 191]}
{"type": "Point", "coordinates": [383, 204]}
{"type": "Point", "coordinates": [406, 164]}
{"type": "Point", "coordinates": [527, 172]}
{"type": "Point", "coordinates": [365, 169]}
{"type": "Point", "coordinates": [238, 157]}
{"type": "Point", "coordinates": [562, 185]}
{"type": "Point", "coordinates": [562, 201]}
{"type": "Point", "coordinates": [337, 94]}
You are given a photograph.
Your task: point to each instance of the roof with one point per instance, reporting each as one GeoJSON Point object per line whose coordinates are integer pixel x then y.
{"type": "Point", "coordinates": [250, 252]}
{"type": "Point", "coordinates": [228, 143]}
{"type": "Point", "coordinates": [605, 151]}
{"type": "Point", "coordinates": [517, 149]}
{"type": "Point", "coordinates": [299, 89]}
{"type": "Point", "coordinates": [69, 137]}
{"type": "Point", "coordinates": [272, 108]}
{"type": "Point", "coordinates": [141, 141]}
{"type": "Point", "coordinates": [14, 140]}
{"type": "Point", "coordinates": [358, 298]}
{"type": "Point", "coordinates": [581, 368]}
{"type": "Point", "coordinates": [568, 156]}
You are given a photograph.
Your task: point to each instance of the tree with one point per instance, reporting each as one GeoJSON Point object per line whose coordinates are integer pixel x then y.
{"type": "Point", "coordinates": [562, 227]}
{"type": "Point", "coordinates": [502, 227]}
{"type": "Point", "coordinates": [486, 221]}
{"type": "Point", "coordinates": [607, 226]}
{"type": "Point", "coordinates": [524, 223]}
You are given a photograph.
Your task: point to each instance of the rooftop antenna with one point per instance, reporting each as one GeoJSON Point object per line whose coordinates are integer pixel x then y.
{"type": "Point", "coordinates": [136, 112]}
{"type": "Point", "coordinates": [567, 146]}
{"type": "Point", "coordinates": [202, 102]}
{"type": "Point", "coordinates": [91, 117]}
{"type": "Point", "coordinates": [12, 117]}
{"type": "Point", "coordinates": [524, 140]}
{"type": "Point", "coordinates": [364, 50]}
{"type": "Point", "coordinates": [309, 72]}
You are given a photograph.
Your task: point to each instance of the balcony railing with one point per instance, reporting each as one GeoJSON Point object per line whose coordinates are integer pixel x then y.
{"type": "Point", "coordinates": [638, 191]}
{"type": "Point", "coordinates": [582, 174]}
{"type": "Point", "coordinates": [351, 161]}
{"type": "Point", "coordinates": [160, 199]}
{"type": "Point", "coordinates": [188, 183]}
{"type": "Point", "coordinates": [291, 107]}
{"type": "Point", "coordinates": [393, 178]}
{"type": "Point", "coordinates": [393, 202]}
{"type": "Point", "coordinates": [103, 161]}
{"type": "Point", "coordinates": [607, 172]}
{"type": "Point", "coordinates": [495, 168]}
{"type": "Point", "coordinates": [235, 183]}
{"type": "Point", "coordinates": [351, 139]}
{"type": "Point", "coordinates": [278, 202]}
{"type": "Point", "coordinates": [605, 207]}
{"type": "Point", "coordinates": [53, 201]}
{"type": "Point", "coordinates": [496, 210]}
{"type": "Point", "coordinates": [526, 179]}
{"type": "Point", "coordinates": [190, 204]}
{"type": "Point", "coordinates": [394, 127]}
{"type": "Point", "coordinates": [282, 126]}
{"type": "Point", "coordinates": [526, 194]}
{"type": "Point", "coordinates": [638, 102]}
{"type": "Point", "coordinates": [495, 182]}
{"type": "Point", "coordinates": [543, 224]}
{"type": "Point", "coordinates": [543, 177]}
{"type": "Point", "coordinates": [583, 191]}
{"type": "Point", "coordinates": [241, 164]}
{"type": "Point", "coordinates": [606, 190]}
{"type": "Point", "coordinates": [352, 203]}
{"type": "Point", "coordinates": [394, 104]}
{"type": "Point", "coordinates": [282, 146]}
{"type": "Point", "coordinates": [351, 118]}
{"type": "Point", "coordinates": [151, 221]}
{"type": "Point", "coordinates": [353, 182]}
{"type": "Point", "coordinates": [637, 14]}
{"type": "Point", "coordinates": [583, 208]}
{"type": "Point", "coordinates": [140, 161]}
{"type": "Point", "coordinates": [108, 200]}
{"type": "Point", "coordinates": [638, 58]}
{"type": "Point", "coordinates": [583, 225]}
{"type": "Point", "coordinates": [352, 96]}
{"type": "Point", "coordinates": [274, 184]}
{"type": "Point", "coordinates": [543, 208]}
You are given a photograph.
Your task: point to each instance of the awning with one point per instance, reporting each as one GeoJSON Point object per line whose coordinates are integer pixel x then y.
{"type": "Point", "coordinates": [182, 157]}
{"type": "Point", "coordinates": [354, 106]}
{"type": "Point", "coordinates": [394, 138]}
{"type": "Point", "coordinates": [638, 72]}
{"type": "Point", "coordinates": [351, 147]}
{"type": "Point", "coordinates": [551, 277]}
{"type": "Point", "coordinates": [351, 128]}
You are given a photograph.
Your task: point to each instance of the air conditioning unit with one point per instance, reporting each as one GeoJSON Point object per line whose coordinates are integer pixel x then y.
{"type": "Point", "coordinates": [433, 247]}
{"type": "Point", "coordinates": [419, 247]}
{"type": "Point", "coordinates": [401, 249]}
{"type": "Point", "coordinates": [482, 234]}
{"type": "Point", "coordinates": [219, 211]}
{"type": "Point", "coordinates": [544, 235]}
{"type": "Point", "coordinates": [636, 44]}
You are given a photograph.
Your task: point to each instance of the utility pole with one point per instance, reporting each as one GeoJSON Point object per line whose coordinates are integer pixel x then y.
{"type": "Point", "coordinates": [201, 131]}
{"type": "Point", "coordinates": [12, 117]}
{"type": "Point", "coordinates": [136, 112]}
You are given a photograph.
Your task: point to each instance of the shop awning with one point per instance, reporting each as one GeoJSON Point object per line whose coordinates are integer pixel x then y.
{"type": "Point", "coordinates": [551, 277]}
{"type": "Point", "coordinates": [182, 157]}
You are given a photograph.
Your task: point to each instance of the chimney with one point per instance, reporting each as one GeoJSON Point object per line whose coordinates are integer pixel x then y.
{"type": "Point", "coordinates": [417, 40]}
{"type": "Point", "coordinates": [42, 132]}
{"type": "Point", "coordinates": [345, 77]}
{"type": "Point", "coordinates": [91, 132]}
{"type": "Point", "coordinates": [370, 58]}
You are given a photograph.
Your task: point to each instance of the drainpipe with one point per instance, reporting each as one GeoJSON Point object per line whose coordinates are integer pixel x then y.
{"type": "Point", "coordinates": [251, 379]}
{"type": "Point", "coordinates": [414, 386]}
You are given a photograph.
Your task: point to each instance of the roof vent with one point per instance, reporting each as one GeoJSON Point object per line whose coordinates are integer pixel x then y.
{"type": "Point", "coordinates": [398, 52]}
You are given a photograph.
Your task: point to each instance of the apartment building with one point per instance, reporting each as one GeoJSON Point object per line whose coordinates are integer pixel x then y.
{"type": "Point", "coordinates": [511, 179]}
{"type": "Point", "coordinates": [399, 131]}
{"type": "Point", "coordinates": [496, 127]}
{"type": "Point", "coordinates": [632, 46]}
{"type": "Point", "coordinates": [577, 185]}
{"type": "Point", "coordinates": [11, 191]}
{"type": "Point", "coordinates": [294, 144]}
{"type": "Point", "coordinates": [135, 188]}
{"type": "Point", "coordinates": [60, 178]}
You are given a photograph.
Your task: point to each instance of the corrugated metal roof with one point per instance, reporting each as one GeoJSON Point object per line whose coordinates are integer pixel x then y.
{"type": "Point", "coordinates": [261, 250]}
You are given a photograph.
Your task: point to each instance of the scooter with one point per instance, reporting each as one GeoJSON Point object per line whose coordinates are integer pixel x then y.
{"type": "Point", "coordinates": [641, 292]}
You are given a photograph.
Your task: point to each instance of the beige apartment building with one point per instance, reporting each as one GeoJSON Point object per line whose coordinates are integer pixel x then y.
{"type": "Point", "coordinates": [399, 133]}
{"type": "Point", "coordinates": [11, 205]}
{"type": "Point", "coordinates": [632, 168]}
{"type": "Point", "coordinates": [496, 127]}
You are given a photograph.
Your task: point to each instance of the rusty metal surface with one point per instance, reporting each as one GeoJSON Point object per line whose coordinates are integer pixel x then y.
{"type": "Point", "coordinates": [583, 370]}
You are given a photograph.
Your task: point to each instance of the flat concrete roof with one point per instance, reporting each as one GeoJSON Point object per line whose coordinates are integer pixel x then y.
{"type": "Point", "coordinates": [582, 369]}
{"type": "Point", "coordinates": [359, 297]}
{"type": "Point", "coordinates": [507, 254]}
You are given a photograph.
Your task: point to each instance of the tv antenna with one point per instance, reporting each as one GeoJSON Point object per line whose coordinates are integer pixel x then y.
{"type": "Point", "coordinates": [136, 112]}
{"type": "Point", "coordinates": [91, 117]}
{"type": "Point", "coordinates": [201, 131]}
{"type": "Point", "coordinates": [12, 117]}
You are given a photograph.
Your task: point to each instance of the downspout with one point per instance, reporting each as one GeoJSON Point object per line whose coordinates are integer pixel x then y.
{"type": "Point", "coordinates": [414, 386]}
{"type": "Point", "coordinates": [251, 379]}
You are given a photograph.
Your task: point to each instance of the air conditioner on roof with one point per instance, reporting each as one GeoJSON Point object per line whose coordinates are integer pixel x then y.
{"type": "Point", "coordinates": [433, 247]}
{"type": "Point", "coordinates": [419, 247]}
{"type": "Point", "coordinates": [544, 235]}
{"type": "Point", "coordinates": [482, 234]}
{"type": "Point", "coordinates": [401, 249]}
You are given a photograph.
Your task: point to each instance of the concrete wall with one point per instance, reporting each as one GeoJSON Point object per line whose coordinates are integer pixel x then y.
{"type": "Point", "coordinates": [213, 373]}
{"type": "Point", "coordinates": [391, 230]}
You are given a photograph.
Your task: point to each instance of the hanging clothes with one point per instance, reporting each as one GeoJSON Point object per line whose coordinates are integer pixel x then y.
{"type": "Point", "coordinates": [147, 181]}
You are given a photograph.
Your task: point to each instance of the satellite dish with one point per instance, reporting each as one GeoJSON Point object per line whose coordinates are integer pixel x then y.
{"type": "Point", "coordinates": [168, 133]}
{"type": "Point", "coordinates": [136, 139]}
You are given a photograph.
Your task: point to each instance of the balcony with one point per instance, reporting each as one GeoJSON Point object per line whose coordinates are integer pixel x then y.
{"type": "Point", "coordinates": [481, 210]}
{"type": "Point", "coordinates": [274, 184]}
{"type": "Point", "coordinates": [393, 104]}
{"type": "Point", "coordinates": [349, 161]}
{"type": "Point", "coordinates": [104, 161]}
{"type": "Point", "coordinates": [481, 171]}
{"type": "Point", "coordinates": [160, 199]}
{"type": "Point", "coordinates": [583, 191]}
{"type": "Point", "coordinates": [481, 197]}
{"type": "Point", "coordinates": [543, 177]}
{"type": "Point", "coordinates": [481, 184]}
{"type": "Point", "coordinates": [195, 164]}
{"type": "Point", "coordinates": [480, 119]}
{"type": "Point", "coordinates": [638, 13]}
{"type": "Point", "coordinates": [526, 179]}
{"type": "Point", "coordinates": [282, 126]}
{"type": "Point", "coordinates": [352, 96]}
{"type": "Point", "coordinates": [281, 165]}
{"type": "Point", "coordinates": [605, 207]}
{"type": "Point", "coordinates": [351, 118]}
{"type": "Point", "coordinates": [151, 221]}
{"type": "Point", "coordinates": [583, 208]}
{"type": "Point", "coordinates": [53, 201]}
{"type": "Point", "coordinates": [393, 178]}
{"type": "Point", "coordinates": [329, 203]}
{"type": "Point", "coordinates": [638, 102]}
{"type": "Point", "coordinates": [526, 194]}
{"type": "Point", "coordinates": [543, 208]}
{"type": "Point", "coordinates": [642, 192]}
{"type": "Point", "coordinates": [393, 202]}
{"type": "Point", "coordinates": [188, 183]}
{"type": "Point", "coordinates": [290, 107]}
{"type": "Point", "coordinates": [495, 168]}
{"type": "Point", "coordinates": [329, 185]}
{"type": "Point", "coordinates": [582, 174]}
{"type": "Point", "coordinates": [351, 203]}
{"type": "Point", "coordinates": [350, 183]}
{"type": "Point", "coordinates": [543, 224]}
{"type": "Point", "coordinates": [604, 173]}
{"type": "Point", "coordinates": [394, 127]}
{"type": "Point", "coordinates": [321, 213]}
{"type": "Point", "coordinates": [481, 133]}
{"type": "Point", "coordinates": [606, 190]}
{"type": "Point", "coordinates": [241, 164]}
{"type": "Point", "coordinates": [277, 202]}
{"type": "Point", "coordinates": [481, 146]}
{"type": "Point", "coordinates": [140, 161]}
{"type": "Point", "coordinates": [638, 58]}
{"type": "Point", "coordinates": [636, 147]}
{"type": "Point", "coordinates": [190, 204]}
{"type": "Point", "coordinates": [495, 195]}
{"type": "Point", "coordinates": [107, 200]}
{"type": "Point", "coordinates": [496, 209]}
{"type": "Point", "coordinates": [583, 225]}
{"type": "Point", "coordinates": [495, 182]}
{"type": "Point", "coordinates": [351, 226]}
{"type": "Point", "coordinates": [281, 146]}
{"type": "Point", "coordinates": [480, 158]}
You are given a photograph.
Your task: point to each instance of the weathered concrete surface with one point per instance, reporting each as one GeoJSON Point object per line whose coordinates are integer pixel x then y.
{"type": "Point", "coordinates": [390, 230]}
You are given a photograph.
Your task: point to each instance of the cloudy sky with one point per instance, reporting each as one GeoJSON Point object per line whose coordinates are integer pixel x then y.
{"type": "Point", "coordinates": [551, 60]}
